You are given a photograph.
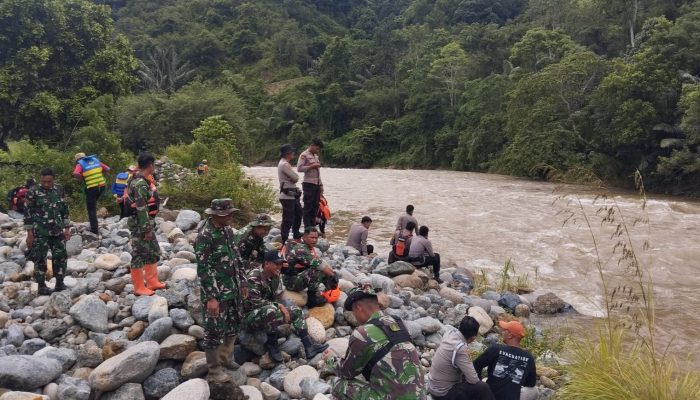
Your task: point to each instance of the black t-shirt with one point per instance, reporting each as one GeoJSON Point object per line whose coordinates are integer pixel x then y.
{"type": "Point", "coordinates": [509, 368]}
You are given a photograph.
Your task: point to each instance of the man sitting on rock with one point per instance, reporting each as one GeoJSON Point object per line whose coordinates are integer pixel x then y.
{"type": "Point", "coordinates": [305, 269]}
{"type": "Point", "coordinates": [452, 375]}
{"type": "Point", "coordinates": [401, 243]}
{"type": "Point", "coordinates": [381, 350]}
{"type": "Point", "coordinates": [265, 313]}
{"type": "Point", "coordinates": [222, 277]}
{"type": "Point", "coordinates": [357, 237]}
{"type": "Point", "coordinates": [421, 253]}
{"type": "Point", "coordinates": [251, 241]}
{"type": "Point", "coordinates": [509, 366]}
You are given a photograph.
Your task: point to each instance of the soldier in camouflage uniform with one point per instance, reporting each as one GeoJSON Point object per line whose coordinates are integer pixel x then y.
{"type": "Point", "coordinates": [251, 241]}
{"type": "Point", "coordinates": [48, 227]}
{"type": "Point", "coordinates": [143, 197]}
{"type": "Point", "coordinates": [222, 279]}
{"type": "Point", "coordinates": [263, 311]}
{"type": "Point", "coordinates": [305, 269]}
{"type": "Point", "coordinates": [381, 351]}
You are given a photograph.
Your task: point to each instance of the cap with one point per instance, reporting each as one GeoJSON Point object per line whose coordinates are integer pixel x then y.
{"type": "Point", "coordinates": [514, 327]}
{"type": "Point", "coordinates": [262, 220]}
{"type": "Point", "coordinates": [132, 168]}
{"type": "Point", "coordinates": [220, 207]}
{"type": "Point", "coordinates": [204, 161]}
{"type": "Point", "coordinates": [360, 293]}
{"type": "Point", "coordinates": [78, 156]}
{"type": "Point", "coordinates": [286, 149]}
{"type": "Point", "coordinates": [273, 256]}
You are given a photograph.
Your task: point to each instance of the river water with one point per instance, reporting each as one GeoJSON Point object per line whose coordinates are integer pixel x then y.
{"type": "Point", "coordinates": [482, 220]}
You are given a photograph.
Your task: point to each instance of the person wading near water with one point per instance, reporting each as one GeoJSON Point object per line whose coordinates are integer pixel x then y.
{"type": "Point", "coordinates": [404, 219]}
{"type": "Point", "coordinates": [289, 194]}
{"type": "Point", "coordinates": [421, 253]}
{"type": "Point", "coordinates": [223, 284]}
{"type": "Point", "coordinates": [509, 366]}
{"type": "Point", "coordinates": [310, 165]}
{"type": "Point", "coordinates": [452, 375]}
{"type": "Point", "coordinates": [91, 171]}
{"type": "Point", "coordinates": [142, 199]}
{"type": "Point", "coordinates": [48, 228]}
{"type": "Point", "coordinates": [357, 237]}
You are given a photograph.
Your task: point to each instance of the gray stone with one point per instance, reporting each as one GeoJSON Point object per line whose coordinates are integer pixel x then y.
{"type": "Point", "coordinates": [9, 268]}
{"type": "Point", "coordinates": [254, 342]}
{"type": "Point", "coordinates": [141, 307]}
{"type": "Point", "coordinates": [91, 313]}
{"type": "Point", "coordinates": [277, 376]}
{"type": "Point", "coordinates": [269, 392]}
{"type": "Point", "coordinates": [194, 389]}
{"type": "Point", "coordinates": [157, 331]}
{"type": "Point", "coordinates": [181, 319]}
{"type": "Point", "coordinates": [77, 266]}
{"type": "Point", "coordinates": [116, 285]}
{"type": "Point", "coordinates": [160, 383]}
{"type": "Point", "coordinates": [548, 303]}
{"type": "Point", "coordinates": [133, 365]}
{"type": "Point", "coordinates": [27, 372]}
{"type": "Point", "coordinates": [52, 328]}
{"type": "Point", "coordinates": [509, 301]}
{"type": "Point", "coordinates": [70, 388]}
{"type": "Point", "coordinates": [22, 313]}
{"type": "Point", "coordinates": [400, 268]}
{"type": "Point", "coordinates": [292, 382]}
{"type": "Point", "coordinates": [89, 355]}
{"type": "Point", "coordinates": [31, 346]}
{"type": "Point", "coordinates": [429, 324]}
{"type": "Point", "coordinates": [490, 295]}
{"type": "Point", "coordinates": [310, 387]}
{"type": "Point", "coordinates": [128, 391]}
{"type": "Point", "coordinates": [67, 357]}
{"type": "Point", "coordinates": [187, 219]}
{"type": "Point", "coordinates": [15, 335]}
{"type": "Point", "coordinates": [291, 346]}
{"type": "Point", "coordinates": [158, 309]}
{"type": "Point", "coordinates": [74, 245]}
{"type": "Point", "coordinates": [59, 305]}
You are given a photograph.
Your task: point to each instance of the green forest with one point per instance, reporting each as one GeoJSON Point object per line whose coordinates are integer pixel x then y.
{"type": "Point", "coordinates": [505, 86]}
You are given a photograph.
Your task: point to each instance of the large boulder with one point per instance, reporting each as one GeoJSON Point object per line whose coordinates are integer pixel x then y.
{"type": "Point", "coordinates": [429, 325]}
{"type": "Point", "coordinates": [133, 365]}
{"type": "Point", "coordinates": [509, 301]}
{"type": "Point", "coordinates": [293, 379]}
{"type": "Point", "coordinates": [452, 295]}
{"type": "Point", "coordinates": [187, 219]}
{"type": "Point", "coordinates": [185, 273]}
{"type": "Point", "coordinates": [28, 372]}
{"type": "Point", "coordinates": [325, 314]}
{"type": "Point", "coordinates": [400, 268]}
{"type": "Point", "coordinates": [548, 303]}
{"type": "Point", "coordinates": [158, 309]}
{"type": "Point", "coordinates": [108, 262]}
{"type": "Point", "coordinates": [59, 305]}
{"type": "Point", "coordinates": [67, 357]}
{"type": "Point", "coordinates": [177, 347]}
{"type": "Point", "coordinates": [298, 298]}
{"type": "Point", "coordinates": [161, 382]}
{"type": "Point", "coordinates": [410, 281]}
{"type": "Point", "coordinates": [91, 313]}
{"type": "Point", "coordinates": [482, 317]}
{"type": "Point", "coordinates": [194, 389]}
{"type": "Point", "coordinates": [157, 331]}
{"type": "Point", "coordinates": [338, 346]}
{"type": "Point", "coordinates": [195, 365]}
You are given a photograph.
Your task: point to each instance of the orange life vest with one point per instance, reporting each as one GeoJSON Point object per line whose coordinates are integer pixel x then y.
{"type": "Point", "coordinates": [153, 201]}
{"type": "Point", "coordinates": [331, 295]}
{"type": "Point", "coordinates": [323, 209]}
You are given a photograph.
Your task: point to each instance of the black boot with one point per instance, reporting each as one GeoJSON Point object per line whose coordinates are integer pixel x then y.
{"type": "Point", "coordinates": [60, 286]}
{"type": "Point", "coordinates": [310, 348]}
{"type": "Point", "coordinates": [272, 348]}
{"type": "Point", "coordinates": [43, 290]}
{"type": "Point", "coordinates": [315, 299]}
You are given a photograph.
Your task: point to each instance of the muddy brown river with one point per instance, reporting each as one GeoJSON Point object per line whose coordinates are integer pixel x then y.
{"type": "Point", "coordinates": [482, 220]}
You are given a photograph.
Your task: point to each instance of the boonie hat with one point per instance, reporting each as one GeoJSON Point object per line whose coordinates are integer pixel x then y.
{"type": "Point", "coordinates": [273, 256]}
{"type": "Point", "coordinates": [262, 220]}
{"type": "Point", "coordinates": [78, 156]}
{"type": "Point", "coordinates": [514, 327]}
{"type": "Point", "coordinates": [360, 293]}
{"type": "Point", "coordinates": [286, 149]}
{"type": "Point", "coordinates": [132, 168]}
{"type": "Point", "coordinates": [220, 207]}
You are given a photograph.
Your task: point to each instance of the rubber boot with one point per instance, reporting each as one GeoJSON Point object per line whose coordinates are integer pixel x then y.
{"type": "Point", "coordinates": [152, 281]}
{"type": "Point", "coordinates": [272, 348]}
{"type": "Point", "coordinates": [315, 299]}
{"type": "Point", "coordinates": [310, 348]}
{"type": "Point", "coordinates": [43, 290]}
{"type": "Point", "coordinates": [60, 286]}
{"type": "Point", "coordinates": [139, 287]}
{"type": "Point", "coordinates": [226, 352]}
{"type": "Point", "coordinates": [216, 373]}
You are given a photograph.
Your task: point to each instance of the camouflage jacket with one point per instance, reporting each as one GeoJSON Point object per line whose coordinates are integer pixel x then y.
{"type": "Point", "coordinates": [261, 292]}
{"type": "Point", "coordinates": [252, 248]}
{"type": "Point", "coordinates": [219, 264]}
{"type": "Point", "coordinates": [139, 191]}
{"type": "Point", "coordinates": [46, 212]}
{"type": "Point", "coordinates": [397, 375]}
{"type": "Point", "coordinates": [299, 254]}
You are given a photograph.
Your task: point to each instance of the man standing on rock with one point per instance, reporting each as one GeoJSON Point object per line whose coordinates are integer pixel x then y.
{"type": "Point", "coordinates": [289, 194]}
{"type": "Point", "coordinates": [264, 313]}
{"type": "Point", "coordinates": [222, 278]}
{"type": "Point", "coordinates": [310, 165]}
{"type": "Point", "coordinates": [381, 350]}
{"type": "Point", "coordinates": [404, 219]}
{"type": "Point", "coordinates": [251, 241]}
{"type": "Point", "coordinates": [48, 227]}
{"type": "Point", "coordinates": [91, 171]}
{"type": "Point", "coordinates": [306, 271]}
{"type": "Point", "coordinates": [143, 197]}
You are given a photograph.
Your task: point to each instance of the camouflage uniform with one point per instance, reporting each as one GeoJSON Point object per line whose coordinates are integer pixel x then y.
{"type": "Point", "coordinates": [143, 251]}
{"type": "Point", "coordinates": [262, 312]}
{"type": "Point", "coordinates": [310, 277]}
{"type": "Point", "coordinates": [252, 248]}
{"type": "Point", "coordinates": [220, 274]}
{"type": "Point", "coordinates": [46, 215]}
{"type": "Point", "coordinates": [397, 376]}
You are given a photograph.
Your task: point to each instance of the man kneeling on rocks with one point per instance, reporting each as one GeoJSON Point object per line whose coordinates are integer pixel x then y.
{"type": "Point", "coordinates": [381, 350]}
{"type": "Point", "coordinates": [452, 375]}
{"type": "Point", "coordinates": [305, 270]}
{"type": "Point", "coordinates": [221, 274]}
{"type": "Point", "coordinates": [264, 313]}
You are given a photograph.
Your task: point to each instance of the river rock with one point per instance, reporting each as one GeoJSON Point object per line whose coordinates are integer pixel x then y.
{"type": "Point", "coordinates": [52, 328]}
{"type": "Point", "coordinates": [278, 375]}
{"type": "Point", "coordinates": [320, 396]}
{"type": "Point", "coordinates": [76, 266]}
{"type": "Point", "coordinates": [548, 303]}
{"type": "Point", "coordinates": [74, 245]}
{"type": "Point", "coordinates": [338, 346]}
{"type": "Point", "coordinates": [385, 283]}
{"type": "Point", "coordinates": [91, 313]}
{"type": "Point", "coordinates": [325, 314]}
{"type": "Point", "coordinates": [194, 389]}
{"type": "Point", "coordinates": [181, 319]}
{"type": "Point", "coordinates": [310, 387]}
{"type": "Point", "coordinates": [291, 346]}
{"type": "Point", "coordinates": [482, 317]}
{"type": "Point", "coordinates": [23, 396]}
{"type": "Point", "coordinates": [509, 301]}
{"type": "Point", "coordinates": [522, 311]}
{"type": "Point", "coordinates": [409, 281]}
{"type": "Point", "coordinates": [128, 391]}
{"type": "Point", "coordinates": [67, 357]}
{"type": "Point", "coordinates": [187, 219]}
{"type": "Point", "coordinates": [166, 227]}
{"type": "Point", "coordinates": [141, 307]}
{"type": "Point", "coordinates": [133, 365]}
{"type": "Point", "coordinates": [195, 365]}
{"type": "Point", "coordinates": [89, 355]}
{"type": "Point", "coordinates": [15, 335]}
{"type": "Point", "coordinates": [58, 306]}
{"type": "Point", "coordinates": [157, 331]}
{"type": "Point", "coordinates": [269, 392]}
{"type": "Point", "coordinates": [175, 234]}
{"type": "Point", "coordinates": [177, 347]}
{"type": "Point", "coordinates": [31, 346]}
{"type": "Point", "coordinates": [400, 268]}
{"type": "Point", "coordinates": [293, 380]}
{"type": "Point", "coordinates": [252, 392]}
{"type": "Point", "coordinates": [316, 330]}
{"type": "Point", "coordinates": [27, 372]}
{"type": "Point", "coordinates": [185, 273]}
{"type": "Point", "coordinates": [161, 382]}
{"type": "Point", "coordinates": [452, 295]}
{"type": "Point", "coordinates": [108, 262]}
{"type": "Point", "coordinates": [158, 309]}
{"type": "Point", "coordinates": [70, 388]}
{"type": "Point", "coordinates": [196, 331]}
{"type": "Point", "coordinates": [298, 298]}
{"type": "Point", "coordinates": [10, 268]}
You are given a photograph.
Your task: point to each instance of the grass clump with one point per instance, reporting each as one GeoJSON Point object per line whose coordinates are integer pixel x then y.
{"type": "Point", "coordinates": [506, 279]}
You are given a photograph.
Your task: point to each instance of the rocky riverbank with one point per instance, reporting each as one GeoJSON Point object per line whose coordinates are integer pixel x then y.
{"type": "Point", "coordinates": [98, 340]}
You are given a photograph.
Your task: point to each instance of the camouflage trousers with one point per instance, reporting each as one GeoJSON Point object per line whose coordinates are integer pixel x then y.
{"type": "Point", "coordinates": [144, 252]}
{"type": "Point", "coordinates": [355, 389]}
{"type": "Point", "coordinates": [227, 323]}
{"type": "Point", "coordinates": [59, 257]}
{"type": "Point", "coordinates": [309, 279]}
{"type": "Point", "coordinates": [269, 318]}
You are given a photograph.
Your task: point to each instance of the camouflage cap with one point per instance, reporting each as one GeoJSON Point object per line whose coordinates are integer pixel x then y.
{"type": "Point", "coordinates": [359, 293]}
{"type": "Point", "coordinates": [220, 207]}
{"type": "Point", "coordinates": [262, 220]}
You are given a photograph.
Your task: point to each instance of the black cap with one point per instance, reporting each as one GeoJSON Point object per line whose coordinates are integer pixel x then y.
{"type": "Point", "coordinates": [317, 142]}
{"type": "Point", "coordinates": [360, 293]}
{"type": "Point", "coordinates": [273, 256]}
{"type": "Point", "coordinates": [286, 149]}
